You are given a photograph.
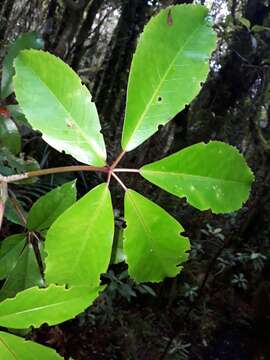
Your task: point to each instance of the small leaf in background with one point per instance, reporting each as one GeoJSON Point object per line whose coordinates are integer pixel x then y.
{"type": "Point", "coordinates": [211, 176]}
{"type": "Point", "coordinates": [51, 205]}
{"type": "Point", "coordinates": [245, 22]}
{"type": "Point", "coordinates": [14, 347]}
{"type": "Point", "coordinates": [153, 243]}
{"type": "Point", "coordinates": [25, 274]}
{"type": "Point", "coordinates": [259, 28]}
{"type": "Point", "coordinates": [12, 215]}
{"type": "Point", "coordinates": [9, 135]}
{"type": "Point", "coordinates": [10, 250]}
{"type": "Point", "coordinates": [10, 165]}
{"type": "Point", "coordinates": [17, 115]}
{"type": "Point", "coordinates": [79, 243]}
{"type": "Point", "coordinates": [25, 41]}
{"type": "Point", "coordinates": [55, 102]}
{"type": "Point", "coordinates": [168, 67]}
{"type": "Point", "coordinates": [52, 305]}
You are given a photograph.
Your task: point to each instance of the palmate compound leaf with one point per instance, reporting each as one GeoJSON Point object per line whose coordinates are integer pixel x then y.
{"type": "Point", "coordinates": [51, 205]}
{"type": "Point", "coordinates": [79, 243]}
{"type": "Point", "coordinates": [16, 348]}
{"type": "Point", "coordinates": [51, 305]}
{"type": "Point", "coordinates": [153, 244]}
{"type": "Point", "coordinates": [170, 62]}
{"type": "Point", "coordinates": [211, 176]}
{"type": "Point", "coordinates": [57, 104]}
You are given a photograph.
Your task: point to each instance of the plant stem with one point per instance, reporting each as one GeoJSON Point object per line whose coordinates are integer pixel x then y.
{"type": "Point", "coordinates": [119, 181]}
{"type": "Point", "coordinates": [42, 172]}
{"type": "Point", "coordinates": [118, 159]}
{"type": "Point", "coordinates": [126, 170]}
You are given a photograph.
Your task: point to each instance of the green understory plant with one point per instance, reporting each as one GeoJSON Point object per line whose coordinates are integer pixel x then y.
{"type": "Point", "coordinates": [63, 272]}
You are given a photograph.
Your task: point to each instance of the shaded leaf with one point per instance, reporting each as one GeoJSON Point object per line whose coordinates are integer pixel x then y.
{"type": "Point", "coordinates": [79, 242]}
{"type": "Point", "coordinates": [153, 243]}
{"type": "Point", "coordinates": [14, 347]}
{"type": "Point", "coordinates": [10, 250]}
{"type": "Point", "coordinates": [52, 305]}
{"type": "Point", "coordinates": [12, 215]}
{"type": "Point", "coordinates": [49, 206]}
{"type": "Point", "coordinates": [25, 41]}
{"type": "Point", "coordinates": [57, 104]}
{"type": "Point", "coordinates": [9, 135]}
{"type": "Point", "coordinates": [24, 275]}
{"type": "Point", "coordinates": [170, 62]}
{"type": "Point", "coordinates": [10, 165]}
{"type": "Point", "coordinates": [213, 175]}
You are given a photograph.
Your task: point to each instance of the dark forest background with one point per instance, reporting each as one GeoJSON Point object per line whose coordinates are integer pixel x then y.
{"type": "Point", "coordinates": [219, 306]}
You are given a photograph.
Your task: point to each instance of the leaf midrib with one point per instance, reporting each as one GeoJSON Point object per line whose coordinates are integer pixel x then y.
{"type": "Point", "coordinates": [145, 227]}
{"type": "Point", "coordinates": [201, 177]}
{"type": "Point", "coordinates": [163, 78]}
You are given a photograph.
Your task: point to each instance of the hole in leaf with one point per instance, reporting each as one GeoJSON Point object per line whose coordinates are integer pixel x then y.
{"type": "Point", "coordinates": [124, 225]}
{"type": "Point", "coordinates": [160, 127]}
{"type": "Point", "coordinates": [159, 99]}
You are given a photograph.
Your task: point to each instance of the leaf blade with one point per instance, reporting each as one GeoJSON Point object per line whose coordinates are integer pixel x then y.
{"type": "Point", "coordinates": [53, 305]}
{"type": "Point", "coordinates": [14, 347]}
{"type": "Point", "coordinates": [50, 206]}
{"type": "Point", "coordinates": [167, 52]}
{"type": "Point", "coordinates": [84, 261]}
{"type": "Point", "coordinates": [68, 119]}
{"type": "Point", "coordinates": [158, 253]}
{"type": "Point", "coordinates": [211, 176]}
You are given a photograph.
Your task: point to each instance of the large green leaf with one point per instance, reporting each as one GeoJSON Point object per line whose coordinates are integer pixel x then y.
{"type": "Point", "coordinates": [9, 135]}
{"type": "Point", "coordinates": [49, 206]}
{"type": "Point", "coordinates": [79, 242]}
{"type": "Point", "coordinates": [153, 244]}
{"type": "Point", "coordinates": [10, 251]}
{"type": "Point", "coordinates": [211, 176]}
{"type": "Point", "coordinates": [25, 41]}
{"type": "Point", "coordinates": [16, 348]}
{"type": "Point", "coordinates": [52, 305]}
{"type": "Point", "coordinates": [167, 69]}
{"type": "Point", "coordinates": [57, 104]}
{"type": "Point", "coordinates": [24, 275]}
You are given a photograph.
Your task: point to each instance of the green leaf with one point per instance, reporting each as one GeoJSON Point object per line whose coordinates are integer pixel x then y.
{"type": "Point", "coordinates": [24, 275]}
{"type": "Point", "coordinates": [259, 28]}
{"type": "Point", "coordinates": [167, 69]}
{"type": "Point", "coordinates": [153, 243]}
{"type": "Point", "coordinates": [10, 251]}
{"type": "Point", "coordinates": [211, 176]}
{"type": "Point", "coordinates": [16, 348]}
{"type": "Point", "coordinates": [51, 205]}
{"type": "Point", "coordinates": [79, 242]}
{"type": "Point", "coordinates": [52, 305]}
{"type": "Point", "coordinates": [245, 22]}
{"type": "Point", "coordinates": [25, 41]}
{"type": "Point", "coordinates": [10, 165]}
{"type": "Point", "coordinates": [57, 104]}
{"type": "Point", "coordinates": [12, 215]}
{"type": "Point", "coordinates": [9, 135]}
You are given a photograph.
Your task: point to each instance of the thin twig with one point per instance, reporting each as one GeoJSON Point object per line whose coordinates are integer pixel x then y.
{"type": "Point", "coordinates": [119, 181]}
